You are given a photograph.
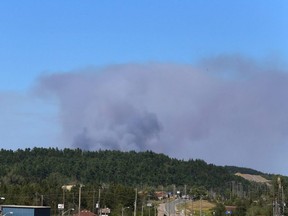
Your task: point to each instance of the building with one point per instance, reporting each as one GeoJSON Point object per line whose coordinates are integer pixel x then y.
{"type": "Point", "coordinates": [22, 210]}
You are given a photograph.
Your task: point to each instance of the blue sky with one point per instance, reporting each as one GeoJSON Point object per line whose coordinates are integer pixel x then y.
{"type": "Point", "coordinates": [38, 39]}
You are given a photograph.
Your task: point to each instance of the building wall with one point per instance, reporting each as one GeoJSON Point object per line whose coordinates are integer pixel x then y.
{"type": "Point", "coordinates": [18, 211]}
{"type": "Point", "coordinates": [42, 212]}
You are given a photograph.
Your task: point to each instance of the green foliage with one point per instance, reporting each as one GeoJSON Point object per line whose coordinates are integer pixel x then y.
{"type": "Point", "coordinates": [36, 176]}
{"type": "Point", "coordinates": [198, 191]}
{"type": "Point", "coordinates": [219, 210]}
{"type": "Point", "coordinates": [241, 208]}
{"type": "Point", "coordinates": [259, 210]}
{"type": "Point", "coordinates": [127, 168]}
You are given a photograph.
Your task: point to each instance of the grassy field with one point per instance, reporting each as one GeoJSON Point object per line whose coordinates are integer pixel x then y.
{"type": "Point", "coordinates": [194, 208]}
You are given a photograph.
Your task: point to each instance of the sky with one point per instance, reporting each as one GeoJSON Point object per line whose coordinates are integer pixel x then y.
{"type": "Point", "coordinates": [197, 79]}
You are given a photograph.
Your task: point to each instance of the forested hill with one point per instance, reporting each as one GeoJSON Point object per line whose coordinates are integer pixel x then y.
{"type": "Point", "coordinates": [89, 167]}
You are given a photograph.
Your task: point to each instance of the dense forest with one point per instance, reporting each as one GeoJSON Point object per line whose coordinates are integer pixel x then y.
{"type": "Point", "coordinates": [37, 176]}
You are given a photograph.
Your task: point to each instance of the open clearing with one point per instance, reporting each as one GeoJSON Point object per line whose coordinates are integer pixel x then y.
{"type": "Point", "coordinates": [195, 207]}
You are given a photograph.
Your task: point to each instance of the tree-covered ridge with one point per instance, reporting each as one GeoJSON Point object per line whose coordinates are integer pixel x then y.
{"type": "Point", "coordinates": [36, 176]}
{"type": "Point", "coordinates": [127, 168]}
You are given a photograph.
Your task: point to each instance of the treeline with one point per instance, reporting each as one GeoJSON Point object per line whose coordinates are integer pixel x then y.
{"type": "Point", "coordinates": [36, 177]}
{"type": "Point", "coordinates": [127, 168]}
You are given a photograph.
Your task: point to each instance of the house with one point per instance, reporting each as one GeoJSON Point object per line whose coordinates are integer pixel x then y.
{"type": "Point", "coordinates": [160, 195]}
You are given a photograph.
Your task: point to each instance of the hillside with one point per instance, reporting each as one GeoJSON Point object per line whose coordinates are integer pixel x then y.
{"type": "Point", "coordinates": [34, 176]}
{"type": "Point", "coordinates": [127, 168]}
{"type": "Point", "coordinates": [254, 178]}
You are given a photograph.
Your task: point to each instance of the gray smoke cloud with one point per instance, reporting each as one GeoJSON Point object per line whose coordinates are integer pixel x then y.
{"type": "Point", "coordinates": [227, 110]}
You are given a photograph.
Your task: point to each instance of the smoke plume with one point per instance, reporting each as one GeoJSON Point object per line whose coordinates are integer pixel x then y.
{"type": "Point", "coordinates": [225, 110]}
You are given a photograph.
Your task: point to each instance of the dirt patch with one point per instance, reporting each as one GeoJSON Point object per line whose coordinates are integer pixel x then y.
{"type": "Point", "coordinates": [254, 178]}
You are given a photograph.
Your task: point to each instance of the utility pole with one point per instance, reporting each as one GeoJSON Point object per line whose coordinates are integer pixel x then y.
{"type": "Point", "coordinates": [185, 193]}
{"type": "Point", "coordinates": [174, 190]}
{"type": "Point", "coordinates": [93, 202]}
{"type": "Point", "coordinates": [98, 204]}
{"type": "Point", "coordinates": [283, 200]}
{"type": "Point", "coordinates": [200, 205]}
{"type": "Point", "coordinates": [63, 190]}
{"type": "Point", "coordinates": [192, 204]}
{"type": "Point", "coordinates": [79, 207]}
{"type": "Point", "coordinates": [277, 202]}
{"type": "Point", "coordinates": [135, 203]}
{"type": "Point", "coordinates": [169, 203]}
{"type": "Point", "coordinates": [42, 200]}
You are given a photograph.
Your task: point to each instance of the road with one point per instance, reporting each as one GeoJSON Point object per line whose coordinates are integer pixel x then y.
{"type": "Point", "coordinates": [169, 208]}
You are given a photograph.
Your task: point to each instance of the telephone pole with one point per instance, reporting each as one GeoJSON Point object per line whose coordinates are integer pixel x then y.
{"type": "Point", "coordinates": [79, 207]}
{"type": "Point", "coordinates": [135, 203]}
